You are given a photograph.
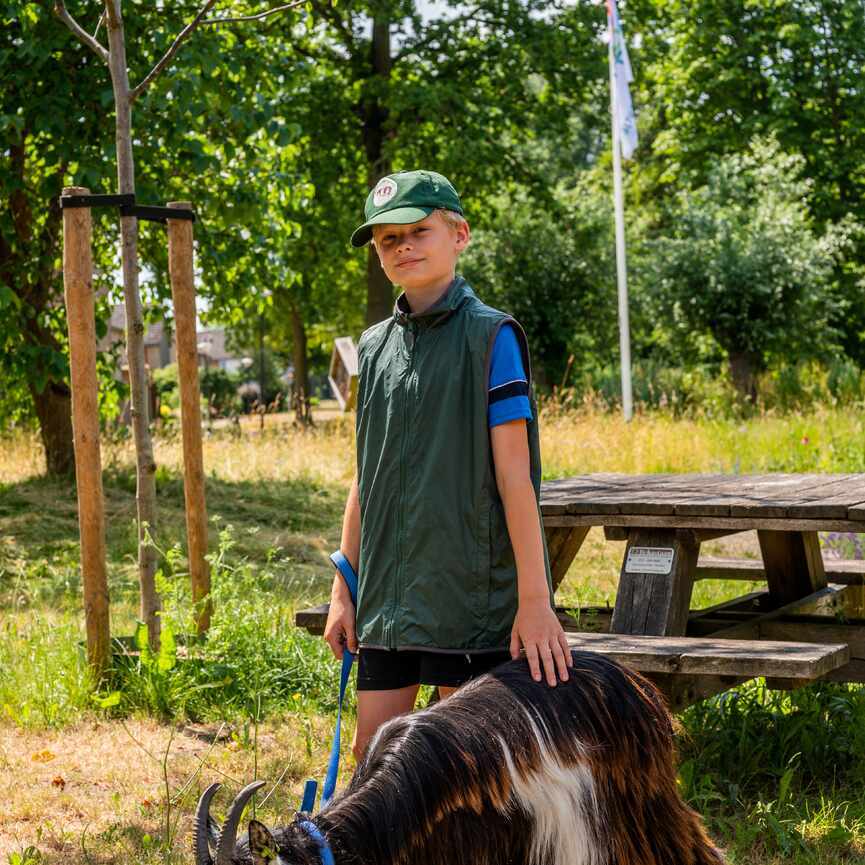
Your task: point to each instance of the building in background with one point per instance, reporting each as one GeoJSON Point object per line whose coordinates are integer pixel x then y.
{"type": "Point", "coordinates": [160, 350]}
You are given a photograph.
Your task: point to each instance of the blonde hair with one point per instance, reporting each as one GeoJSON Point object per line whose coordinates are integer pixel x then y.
{"type": "Point", "coordinates": [451, 219]}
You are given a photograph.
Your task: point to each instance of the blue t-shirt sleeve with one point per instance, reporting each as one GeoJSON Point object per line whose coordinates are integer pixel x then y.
{"type": "Point", "coordinates": [508, 386]}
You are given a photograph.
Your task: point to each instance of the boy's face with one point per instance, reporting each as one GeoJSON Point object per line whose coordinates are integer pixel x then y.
{"type": "Point", "coordinates": [420, 255]}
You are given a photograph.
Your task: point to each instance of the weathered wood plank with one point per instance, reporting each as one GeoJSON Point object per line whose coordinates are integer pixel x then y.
{"type": "Point", "coordinates": [652, 601]}
{"type": "Point", "coordinates": [760, 496]}
{"type": "Point", "coordinates": [681, 691]}
{"type": "Point", "coordinates": [793, 563]}
{"type": "Point", "coordinates": [823, 633]}
{"type": "Point", "coordinates": [566, 553]}
{"type": "Point", "coordinates": [775, 495]}
{"type": "Point", "coordinates": [620, 533]}
{"type": "Point", "coordinates": [313, 619]}
{"type": "Point", "coordinates": [744, 603]}
{"type": "Point", "coordinates": [753, 495]}
{"type": "Point", "coordinates": [852, 672]}
{"type": "Point", "coordinates": [705, 522]}
{"type": "Point", "coordinates": [830, 500]}
{"type": "Point", "coordinates": [555, 537]}
{"type": "Point", "coordinates": [825, 601]}
{"type": "Point", "coordinates": [718, 657]}
{"type": "Point", "coordinates": [849, 572]}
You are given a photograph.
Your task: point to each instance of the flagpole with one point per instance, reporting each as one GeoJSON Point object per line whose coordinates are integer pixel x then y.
{"type": "Point", "coordinates": [621, 269]}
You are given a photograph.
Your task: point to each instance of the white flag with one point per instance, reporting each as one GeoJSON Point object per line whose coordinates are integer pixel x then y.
{"type": "Point", "coordinates": [622, 78]}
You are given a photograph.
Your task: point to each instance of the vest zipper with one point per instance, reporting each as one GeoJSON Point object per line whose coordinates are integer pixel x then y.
{"type": "Point", "coordinates": [412, 336]}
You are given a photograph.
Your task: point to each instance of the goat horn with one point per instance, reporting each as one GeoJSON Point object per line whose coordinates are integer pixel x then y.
{"type": "Point", "coordinates": [228, 835]}
{"type": "Point", "coordinates": [202, 815]}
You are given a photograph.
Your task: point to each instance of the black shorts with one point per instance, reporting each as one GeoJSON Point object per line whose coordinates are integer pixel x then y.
{"type": "Point", "coordinates": [388, 669]}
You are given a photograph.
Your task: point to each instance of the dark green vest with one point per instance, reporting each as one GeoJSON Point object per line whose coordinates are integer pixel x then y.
{"type": "Point", "coordinates": [436, 565]}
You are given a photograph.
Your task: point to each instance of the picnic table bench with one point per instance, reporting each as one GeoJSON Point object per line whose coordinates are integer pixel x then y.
{"type": "Point", "coordinates": [807, 623]}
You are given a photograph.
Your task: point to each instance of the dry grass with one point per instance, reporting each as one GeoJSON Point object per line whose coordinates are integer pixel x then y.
{"type": "Point", "coordinates": [582, 442]}
{"type": "Point", "coordinates": [21, 457]}
{"type": "Point", "coordinates": [323, 455]}
{"type": "Point", "coordinates": [96, 791]}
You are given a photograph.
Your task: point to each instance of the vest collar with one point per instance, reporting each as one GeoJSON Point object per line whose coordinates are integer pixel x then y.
{"type": "Point", "coordinates": [450, 300]}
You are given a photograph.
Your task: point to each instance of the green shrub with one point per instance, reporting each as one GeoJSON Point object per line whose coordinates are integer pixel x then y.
{"type": "Point", "coordinates": [253, 661]}
{"type": "Point", "coordinates": [219, 389]}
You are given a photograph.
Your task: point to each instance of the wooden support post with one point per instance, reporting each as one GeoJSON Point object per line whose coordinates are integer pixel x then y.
{"type": "Point", "coordinates": [793, 563]}
{"type": "Point", "coordinates": [78, 287]}
{"type": "Point", "coordinates": [655, 583]}
{"type": "Point", "coordinates": [681, 691]}
{"type": "Point", "coordinates": [183, 297]}
{"type": "Point", "coordinates": [563, 544]}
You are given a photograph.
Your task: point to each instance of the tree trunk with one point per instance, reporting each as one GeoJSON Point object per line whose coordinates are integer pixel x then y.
{"type": "Point", "coordinates": [145, 464]}
{"type": "Point", "coordinates": [379, 291]}
{"type": "Point", "coordinates": [743, 372]}
{"type": "Point", "coordinates": [54, 410]}
{"type": "Point", "coordinates": [300, 396]}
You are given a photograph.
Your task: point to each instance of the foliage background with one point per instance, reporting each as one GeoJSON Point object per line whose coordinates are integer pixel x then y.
{"type": "Point", "coordinates": [274, 131]}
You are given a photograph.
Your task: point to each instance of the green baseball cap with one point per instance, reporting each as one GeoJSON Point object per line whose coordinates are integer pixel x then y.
{"type": "Point", "coordinates": [403, 198]}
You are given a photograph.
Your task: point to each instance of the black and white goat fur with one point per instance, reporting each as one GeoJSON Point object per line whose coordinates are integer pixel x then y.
{"type": "Point", "coordinates": [506, 770]}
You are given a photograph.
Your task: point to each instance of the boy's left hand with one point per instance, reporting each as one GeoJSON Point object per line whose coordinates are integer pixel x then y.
{"type": "Point", "coordinates": [539, 631]}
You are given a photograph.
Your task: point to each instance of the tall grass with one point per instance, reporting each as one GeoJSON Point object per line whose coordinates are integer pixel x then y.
{"type": "Point", "coordinates": [578, 442]}
{"type": "Point", "coordinates": [44, 678]}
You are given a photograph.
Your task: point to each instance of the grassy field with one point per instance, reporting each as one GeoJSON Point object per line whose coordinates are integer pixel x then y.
{"type": "Point", "coordinates": [112, 775]}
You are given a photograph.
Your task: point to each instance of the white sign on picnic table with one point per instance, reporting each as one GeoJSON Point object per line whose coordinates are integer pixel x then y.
{"type": "Point", "coordinates": [649, 560]}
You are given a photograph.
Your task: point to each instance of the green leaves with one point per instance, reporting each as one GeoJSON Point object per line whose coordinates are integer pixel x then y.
{"type": "Point", "coordinates": [740, 258]}
{"type": "Point", "coordinates": [166, 658]}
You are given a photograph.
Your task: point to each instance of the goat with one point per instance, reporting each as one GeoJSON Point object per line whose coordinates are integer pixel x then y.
{"type": "Point", "coordinates": [506, 771]}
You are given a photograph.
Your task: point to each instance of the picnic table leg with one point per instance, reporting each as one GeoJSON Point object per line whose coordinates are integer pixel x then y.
{"type": "Point", "coordinates": [654, 598]}
{"type": "Point", "coordinates": [793, 563]}
{"type": "Point", "coordinates": [563, 544]}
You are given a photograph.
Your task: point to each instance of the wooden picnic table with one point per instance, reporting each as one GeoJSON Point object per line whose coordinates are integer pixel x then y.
{"type": "Point", "coordinates": [664, 518]}
{"type": "Point", "coordinates": [807, 624]}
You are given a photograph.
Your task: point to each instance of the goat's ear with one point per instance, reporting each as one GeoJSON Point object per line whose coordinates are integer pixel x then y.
{"type": "Point", "coordinates": [262, 845]}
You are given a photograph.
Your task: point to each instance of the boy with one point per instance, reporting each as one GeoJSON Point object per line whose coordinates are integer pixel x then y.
{"type": "Point", "coordinates": [442, 522]}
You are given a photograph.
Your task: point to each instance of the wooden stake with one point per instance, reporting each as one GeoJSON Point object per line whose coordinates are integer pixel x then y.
{"type": "Point", "coordinates": [183, 296]}
{"type": "Point", "coordinates": [78, 286]}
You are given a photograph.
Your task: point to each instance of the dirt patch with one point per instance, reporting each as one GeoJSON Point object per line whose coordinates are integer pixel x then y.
{"type": "Point", "coordinates": [93, 794]}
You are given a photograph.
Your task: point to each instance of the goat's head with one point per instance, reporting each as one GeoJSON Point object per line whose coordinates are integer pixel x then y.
{"type": "Point", "coordinates": [260, 846]}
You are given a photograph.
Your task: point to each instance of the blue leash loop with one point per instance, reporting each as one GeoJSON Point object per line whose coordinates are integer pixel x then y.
{"type": "Point", "coordinates": [323, 848]}
{"type": "Point", "coordinates": [343, 565]}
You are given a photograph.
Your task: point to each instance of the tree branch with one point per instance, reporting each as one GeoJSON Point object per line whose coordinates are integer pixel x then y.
{"type": "Point", "coordinates": [259, 17]}
{"type": "Point", "coordinates": [99, 24]}
{"type": "Point", "coordinates": [169, 55]}
{"type": "Point", "coordinates": [80, 33]}
{"type": "Point", "coordinates": [435, 32]}
{"type": "Point", "coordinates": [318, 53]}
{"type": "Point", "coordinates": [332, 15]}
{"type": "Point", "coordinates": [184, 34]}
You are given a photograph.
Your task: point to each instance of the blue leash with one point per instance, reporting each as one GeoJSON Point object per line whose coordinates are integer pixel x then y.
{"type": "Point", "coordinates": [323, 848]}
{"type": "Point", "coordinates": [311, 789]}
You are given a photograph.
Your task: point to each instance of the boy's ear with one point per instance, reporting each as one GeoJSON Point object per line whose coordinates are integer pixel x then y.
{"type": "Point", "coordinates": [464, 235]}
{"type": "Point", "coordinates": [262, 845]}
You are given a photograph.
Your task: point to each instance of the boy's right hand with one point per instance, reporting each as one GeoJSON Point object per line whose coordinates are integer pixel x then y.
{"type": "Point", "coordinates": [340, 628]}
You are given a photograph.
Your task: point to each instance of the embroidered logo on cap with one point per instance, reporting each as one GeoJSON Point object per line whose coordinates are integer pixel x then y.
{"type": "Point", "coordinates": [385, 190]}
